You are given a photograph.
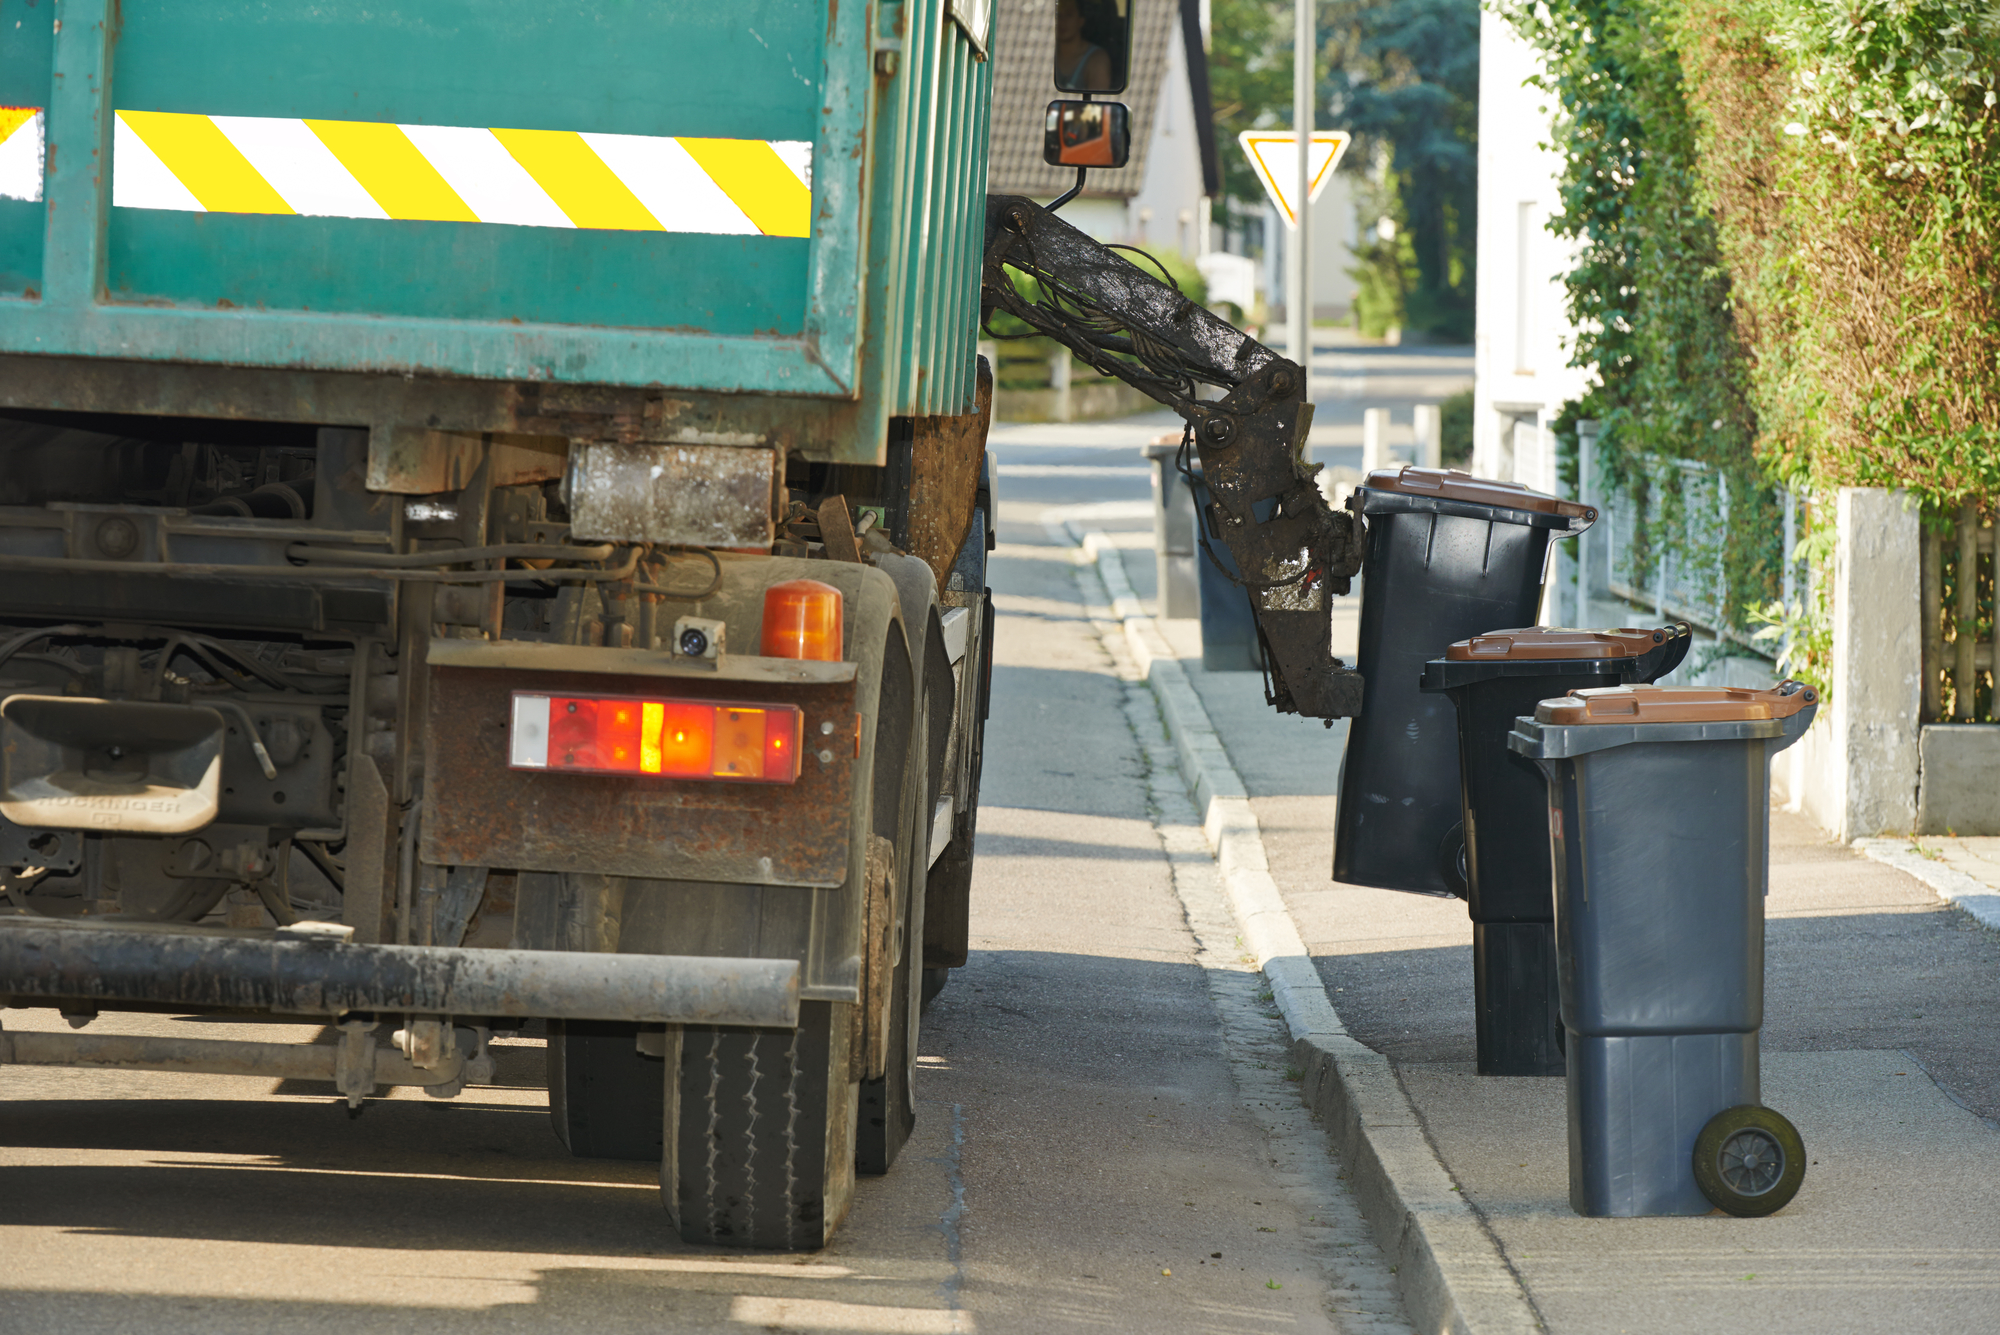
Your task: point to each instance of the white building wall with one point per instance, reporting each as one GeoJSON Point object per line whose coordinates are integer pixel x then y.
{"type": "Point", "coordinates": [1100, 218]}
{"type": "Point", "coordinates": [1335, 233]}
{"type": "Point", "coordinates": [1522, 331]}
{"type": "Point", "coordinates": [1166, 213]}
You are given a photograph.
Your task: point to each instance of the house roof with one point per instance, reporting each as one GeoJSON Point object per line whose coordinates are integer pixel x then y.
{"type": "Point", "coordinates": [1023, 50]}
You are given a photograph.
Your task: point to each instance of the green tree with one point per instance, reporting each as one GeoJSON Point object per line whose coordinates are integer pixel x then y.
{"type": "Point", "coordinates": [1403, 75]}
{"type": "Point", "coordinates": [1250, 82]}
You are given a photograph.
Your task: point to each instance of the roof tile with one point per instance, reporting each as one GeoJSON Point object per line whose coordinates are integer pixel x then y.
{"type": "Point", "coordinates": [1024, 41]}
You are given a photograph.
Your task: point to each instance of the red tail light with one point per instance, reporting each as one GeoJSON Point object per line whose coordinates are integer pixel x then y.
{"type": "Point", "coordinates": [675, 739]}
{"type": "Point", "coordinates": [802, 619]}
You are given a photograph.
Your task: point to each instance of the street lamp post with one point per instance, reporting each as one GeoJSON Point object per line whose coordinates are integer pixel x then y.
{"type": "Point", "coordinates": [1298, 294]}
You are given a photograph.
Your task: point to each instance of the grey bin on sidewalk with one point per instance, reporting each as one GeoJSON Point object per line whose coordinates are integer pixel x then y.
{"type": "Point", "coordinates": [1659, 825]}
{"type": "Point", "coordinates": [1190, 583]}
{"type": "Point", "coordinates": [1174, 554]}
{"type": "Point", "coordinates": [1449, 556]}
{"type": "Point", "coordinates": [1491, 680]}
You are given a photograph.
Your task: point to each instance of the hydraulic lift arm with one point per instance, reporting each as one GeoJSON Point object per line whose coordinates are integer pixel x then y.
{"type": "Point", "coordinates": [1295, 551]}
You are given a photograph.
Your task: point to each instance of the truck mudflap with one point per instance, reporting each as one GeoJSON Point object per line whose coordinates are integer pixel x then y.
{"type": "Point", "coordinates": [52, 962]}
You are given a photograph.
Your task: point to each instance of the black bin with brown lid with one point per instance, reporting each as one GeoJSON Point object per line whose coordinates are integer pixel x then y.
{"type": "Point", "coordinates": [1502, 854]}
{"type": "Point", "coordinates": [1449, 556]}
{"type": "Point", "coordinates": [1659, 818]}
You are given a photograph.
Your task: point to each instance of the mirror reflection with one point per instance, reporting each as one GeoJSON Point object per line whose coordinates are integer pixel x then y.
{"type": "Point", "coordinates": [1093, 45]}
{"type": "Point", "coordinates": [1087, 134]}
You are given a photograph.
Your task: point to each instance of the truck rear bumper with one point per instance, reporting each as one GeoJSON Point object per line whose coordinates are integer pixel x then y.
{"type": "Point", "coordinates": [43, 961]}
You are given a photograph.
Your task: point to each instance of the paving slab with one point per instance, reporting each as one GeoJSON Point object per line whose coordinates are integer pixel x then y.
{"type": "Point", "coordinates": [1976, 856]}
{"type": "Point", "coordinates": [1964, 871]}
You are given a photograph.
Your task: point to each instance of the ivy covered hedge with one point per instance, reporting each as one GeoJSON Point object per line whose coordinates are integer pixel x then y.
{"type": "Point", "coordinates": [1788, 213]}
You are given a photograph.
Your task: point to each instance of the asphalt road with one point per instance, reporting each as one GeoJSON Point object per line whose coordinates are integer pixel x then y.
{"type": "Point", "coordinates": [1108, 1139]}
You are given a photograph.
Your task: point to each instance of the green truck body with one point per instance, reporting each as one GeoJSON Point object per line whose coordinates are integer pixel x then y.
{"type": "Point", "coordinates": [857, 313]}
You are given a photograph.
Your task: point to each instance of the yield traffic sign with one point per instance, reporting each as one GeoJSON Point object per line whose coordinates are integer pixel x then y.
{"type": "Point", "coordinates": [1275, 156]}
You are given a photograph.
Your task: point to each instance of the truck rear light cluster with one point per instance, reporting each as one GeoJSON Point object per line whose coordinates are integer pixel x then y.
{"type": "Point", "coordinates": [675, 739]}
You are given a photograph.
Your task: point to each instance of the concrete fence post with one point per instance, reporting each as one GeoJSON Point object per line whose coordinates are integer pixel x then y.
{"type": "Point", "coordinates": [1593, 549]}
{"type": "Point", "coordinates": [1429, 425]}
{"type": "Point", "coordinates": [1375, 440]}
{"type": "Point", "coordinates": [1862, 776]}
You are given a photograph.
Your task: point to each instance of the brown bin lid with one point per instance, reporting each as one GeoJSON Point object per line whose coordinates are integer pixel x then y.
{"type": "Point", "coordinates": [1556, 642]}
{"type": "Point", "coordinates": [1676, 704]}
{"type": "Point", "coordinates": [1454, 484]}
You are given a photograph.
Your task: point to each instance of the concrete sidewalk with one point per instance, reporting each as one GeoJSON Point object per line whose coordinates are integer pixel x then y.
{"type": "Point", "coordinates": [1878, 1043]}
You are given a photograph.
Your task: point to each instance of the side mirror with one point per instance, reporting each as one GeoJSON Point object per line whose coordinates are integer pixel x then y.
{"type": "Point", "coordinates": [1093, 45]}
{"type": "Point", "coordinates": [1087, 134]}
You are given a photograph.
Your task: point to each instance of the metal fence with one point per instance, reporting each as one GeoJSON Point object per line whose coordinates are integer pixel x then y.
{"type": "Point", "coordinates": [1958, 620]}
{"type": "Point", "coordinates": [1663, 546]}
{"type": "Point", "coordinates": [1664, 543]}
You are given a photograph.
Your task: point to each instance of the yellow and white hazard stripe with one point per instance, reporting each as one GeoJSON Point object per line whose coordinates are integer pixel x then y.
{"type": "Point", "coordinates": [448, 173]}
{"type": "Point", "coordinates": [21, 153]}
{"type": "Point", "coordinates": [436, 173]}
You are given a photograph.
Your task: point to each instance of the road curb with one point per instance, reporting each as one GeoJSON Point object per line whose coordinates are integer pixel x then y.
{"type": "Point", "coordinates": [1951, 885]}
{"type": "Point", "coordinates": [1451, 1271]}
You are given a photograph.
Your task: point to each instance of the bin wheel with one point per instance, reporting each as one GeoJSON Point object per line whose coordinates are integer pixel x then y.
{"type": "Point", "coordinates": [1749, 1161]}
{"type": "Point", "coordinates": [1451, 861]}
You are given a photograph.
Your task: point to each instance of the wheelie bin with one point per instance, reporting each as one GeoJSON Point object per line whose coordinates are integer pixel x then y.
{"type": "Point", "coordinates": [1190, 584]}
{"type": "Point", "coordinates": [1502, 844]}
{"type": "Point", "coordinates": [1174, 554]}
{"type": "Point", "coordinates": [1659, 829]}
{"type": "Point", "coordinates": [1450, 556]}
{"type": "Point", "coordinates": [1228, 621]}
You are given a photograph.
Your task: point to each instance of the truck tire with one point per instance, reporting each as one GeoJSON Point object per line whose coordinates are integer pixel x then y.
{"type": "Point", "coordinates": [888, 1104]}
{"type": "Point", "coordinates": [948, 888]}
{"type": "Point", "coordinates": [763, 1122]}
{"type": "Point", "coordinates": [607, 1099]}
{"type": "Point", "coordinates": [934, 980]}
{"type": "Point", "coordinates": [764, 1148]}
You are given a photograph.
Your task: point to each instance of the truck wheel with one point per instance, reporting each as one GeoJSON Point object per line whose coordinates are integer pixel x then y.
{"type": "Point", "coordinates": [934, 981]}
{"type": "Point", "coordinates": [764, 1150]}
{"type": "Point", "coordinates": [1749, 1161]}
{"type": "Point", "coordinates": [888, 1104]}
{"type": "Point", "coordinates": [948, 889]}
{"type": "Point", "coordinates": [606, 1098]}
{"type": "Point", "coordinates": [761, 1123]}
{"type": "Point", "coordinates": [948, 896]}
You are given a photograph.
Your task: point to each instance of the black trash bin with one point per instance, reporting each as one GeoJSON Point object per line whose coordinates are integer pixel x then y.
{"type": "Point", "coordinates": [1190, 584]}
{"type": "Point", "coordinates": [1659, 824]}
{"type": "Point", "coordinates": [1503, 847]}
{"type": "Point", "coordinates": [1449, 556]}
{"type": "Point", "coordinates": [1228, 621]}
{"type": "Point", "coordinates": [1174, 553]}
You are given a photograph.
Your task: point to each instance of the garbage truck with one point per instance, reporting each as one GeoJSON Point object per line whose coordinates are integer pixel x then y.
{"type": "Point", "coordinates": [492, 535]}
{"type": "Point", "coordinates": [493, 538]}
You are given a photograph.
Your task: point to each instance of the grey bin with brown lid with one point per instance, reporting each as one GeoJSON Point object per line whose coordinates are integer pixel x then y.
{"type": "Point", "coordinates": [1658, 810]}
{"type": "Point", "coordinates": [1503, 847]}
{"type": "Point", "coordinates": [1449, 556]}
